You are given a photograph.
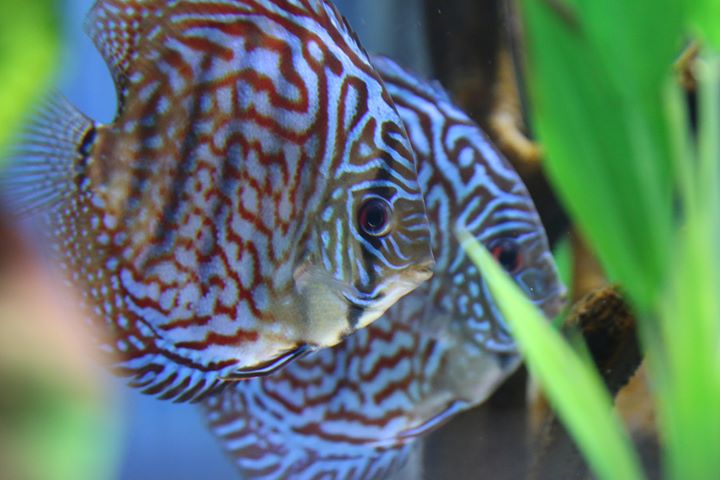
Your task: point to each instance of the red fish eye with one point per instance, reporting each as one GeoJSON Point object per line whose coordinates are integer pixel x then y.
{"type": "Point", "coordinates": [507, 253]}
{"type": "Point", "coordinates": [374, 217]}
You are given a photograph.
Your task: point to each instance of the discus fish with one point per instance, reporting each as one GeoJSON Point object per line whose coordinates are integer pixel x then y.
{"type": "Point", "coordinates": [255, 198]}
{"type": "Point", "coordinates": [359, 409]}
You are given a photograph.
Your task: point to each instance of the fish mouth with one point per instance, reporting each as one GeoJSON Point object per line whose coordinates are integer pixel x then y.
{"type": "Point", "coordinates": [365, 307]}
{"type": "Point", "coordinates": [423, 271]}
{"type": "Point", "coordinates": [417, 274]}
{"type": "Point", "coordinates": [270, 367]}
{"type": "Point", "coordinates": [335, 308]}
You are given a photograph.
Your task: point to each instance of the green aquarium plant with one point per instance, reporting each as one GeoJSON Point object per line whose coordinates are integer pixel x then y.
{"type": "Point", "coordinates": [645, 192]}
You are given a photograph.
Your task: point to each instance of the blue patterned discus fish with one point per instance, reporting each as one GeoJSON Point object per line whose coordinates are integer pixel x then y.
{"type": "Point", "coordinates": [357, 410]}
{"type": "Point", "coordinates": [255, 197]}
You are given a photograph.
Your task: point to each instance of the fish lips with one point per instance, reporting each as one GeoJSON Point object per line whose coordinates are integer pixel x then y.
{"type": "Point", "coordinates": [365, 308]}
{"type": "Point", "coordinates": [545, 290]}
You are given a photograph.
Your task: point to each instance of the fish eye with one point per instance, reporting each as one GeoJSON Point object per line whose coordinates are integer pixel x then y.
{"type": "Point", "coordinates": [507, 253]}
{"type": "Point", "coordinates": [375, 217]}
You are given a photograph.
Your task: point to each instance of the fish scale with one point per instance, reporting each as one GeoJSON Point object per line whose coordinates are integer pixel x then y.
{"type": "Point", "coordinates": [358, 410]}
{"type": "Point", "coordinates": [255, 197]}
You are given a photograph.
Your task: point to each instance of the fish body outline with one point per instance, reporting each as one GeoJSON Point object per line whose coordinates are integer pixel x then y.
{"type": "Point", "coordinates": [361, 409]}
{"type": "Point", "coordinates": [254, 198]}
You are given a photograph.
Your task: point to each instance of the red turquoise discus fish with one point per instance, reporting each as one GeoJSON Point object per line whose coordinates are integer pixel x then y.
{"type": "Point", "coordinates": [255, 197]}
{"type": "Point", "coordinates": [356, 411]}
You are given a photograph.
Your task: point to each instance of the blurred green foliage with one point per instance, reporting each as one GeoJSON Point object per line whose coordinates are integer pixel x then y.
{"type": "Point", "coordinates": [51, 426]}
{"type": "Point", "coordinates": [53, 429]}
{"type": "Point", "coordinates": [29, 48]}
{"type": "Point", "coordinates": [683, 345]}
{"type": "Point", "coordinates": [645, 191]}
{"type": "Point", "coordinates": [597, 77]}
{"type": "Point", "coordinates": [704, 15]}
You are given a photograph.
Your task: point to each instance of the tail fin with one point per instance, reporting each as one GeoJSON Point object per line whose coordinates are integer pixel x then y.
{"type": "Point", "coordinates": [44, 169]}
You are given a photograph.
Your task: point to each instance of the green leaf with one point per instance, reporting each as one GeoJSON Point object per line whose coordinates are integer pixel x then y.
{"type": "Point", "coordinates": [573, 388]}
{"type": "Point", "coordinates": [705, 15]}
{"type": "Point", "coordinates": [636, 41]}
{"type": "Point", "coordinates": [605, 137]}
{"type": "Point", "coordinates": [685, 360]}
{"type": "Point", "coordinates": [623, 158]}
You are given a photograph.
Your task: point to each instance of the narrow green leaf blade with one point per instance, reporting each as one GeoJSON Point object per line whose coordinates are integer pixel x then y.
{"type": "Point", "coordinates": [574, 389]}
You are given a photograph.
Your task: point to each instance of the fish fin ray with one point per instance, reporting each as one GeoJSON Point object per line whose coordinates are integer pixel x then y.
{"type": "Point", "coordinates": [43, 168]}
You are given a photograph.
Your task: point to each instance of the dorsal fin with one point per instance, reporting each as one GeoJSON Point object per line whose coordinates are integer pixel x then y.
{"type": "Point", "coordinates": [343, 26]}
{"type": "Point", "coordinates": [390, 71]}
{"type": "Point", "coordinates": [117, 27]}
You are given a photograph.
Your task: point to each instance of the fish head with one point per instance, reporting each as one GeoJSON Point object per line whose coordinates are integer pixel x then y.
{"type": "Point", "coordinates": [264, 126]}
{"type": "Point", "coordinates": [371, 243]}
{"type": "Point", "coordinates": [499, 212]}
{"type": "Point", "coordinates": [369, 238]}
{"type": "Point", "coordinates": [467, 183]}
{"type": "Point", "coordinates": [483, 352]}
{"type": "Point", "coordinates": [530, 263]}
{"type": "Point", "coordinates": [523, 252]}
